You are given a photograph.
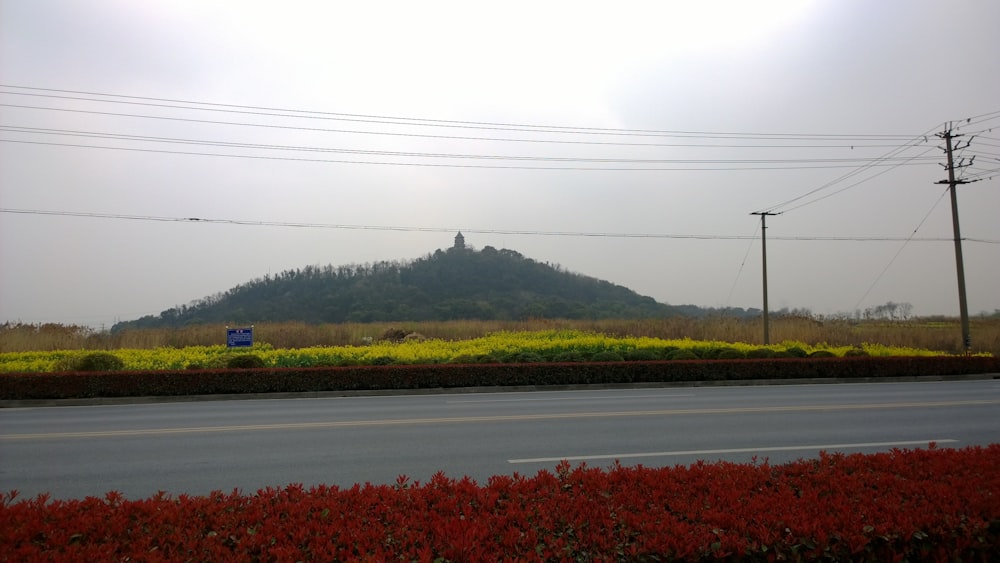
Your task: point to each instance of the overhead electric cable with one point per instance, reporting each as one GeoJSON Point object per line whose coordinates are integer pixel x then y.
{"type": "Point", "coordinates": [979, 175]}
{"type": "Point", "coordinates": [790, 166]}
{"type": "Point", "coordinates": [202, 220]}
{"type": "Point", "coordinates": [912, 143]}
{"type": "Point", "coordinates": [753, 237]}
{"type": "Point", "coordinates": [214, 143]}
{"type": "Point", "coordinates": [976, 119]}
{"type": "Point", "coordinates": [258, 110]}
{"type": "Point", "coordinates": [855, 184]}
{"type": "Point", "coordinates": [900, 250]}
{"type": "Point", "coordinates": [855, 144]}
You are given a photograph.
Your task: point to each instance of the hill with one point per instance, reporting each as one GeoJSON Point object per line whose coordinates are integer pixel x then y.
{"type": "Point", "coordinates": [457, 283]}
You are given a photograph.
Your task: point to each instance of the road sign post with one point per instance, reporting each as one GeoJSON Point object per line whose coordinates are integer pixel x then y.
{"type": "Point", "coordinates": [239, 337]}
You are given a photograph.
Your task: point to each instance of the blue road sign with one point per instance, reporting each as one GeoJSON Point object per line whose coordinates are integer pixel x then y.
{"type": "Point", "coordinates": [239, 337]}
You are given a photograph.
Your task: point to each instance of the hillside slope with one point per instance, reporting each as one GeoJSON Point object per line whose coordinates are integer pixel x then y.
{"type": "Point", "coordinates": [459, 283]}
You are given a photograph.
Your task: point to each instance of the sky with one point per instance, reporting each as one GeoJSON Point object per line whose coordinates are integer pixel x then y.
{"type": "Point", "coordinates": [627, 141]}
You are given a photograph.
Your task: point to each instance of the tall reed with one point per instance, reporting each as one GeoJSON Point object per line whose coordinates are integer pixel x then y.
{"type": "Point", "coordinates": [940, 335]}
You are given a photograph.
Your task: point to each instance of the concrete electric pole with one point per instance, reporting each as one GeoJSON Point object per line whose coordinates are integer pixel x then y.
{"type": "Point", "coordinates": [763, 242]}
{"type": "Point", "coordinates": [949, 150]}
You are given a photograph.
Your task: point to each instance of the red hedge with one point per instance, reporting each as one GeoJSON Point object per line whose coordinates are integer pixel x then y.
{"type": "Point", "coordinates": [319, 379]}
{"type": "Point", "coordinates": [935, 505]}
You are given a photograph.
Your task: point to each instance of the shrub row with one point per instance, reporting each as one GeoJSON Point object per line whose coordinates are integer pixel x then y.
{"type": "Point", "coordinates": [500, 347]}
{"type": "Point", "coordinates": [69, 385]}
{"type": "Point", "coordinates": [904, 505]}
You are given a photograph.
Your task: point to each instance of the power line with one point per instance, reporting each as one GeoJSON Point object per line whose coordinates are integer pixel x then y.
{"type": "Point", "coordinates": [891, 154]}
{"type": "Point", "coordinates": [856, 144]}
{"type": "Point", "coordinates": [900, 250]}
{"type": "Point", "coordinates": [394, 120]}
{"type": "Point", "coordinates": [913, 142]}
{"type": "Point", "coordinates": [202, 220]}
{"type": "Point", "coordinates": [983, 174]}
{"type": "Point", "coordinates": [981, 118]}
{"type": "Point", "coordinates": [984, 154]}
{"type": "Point", "coordinates": [215, 143]}
{"type": "Point", "coordinates": [855, 184]}
{"type": "Point", "coordinates": [412, 158]}
{"type": "Point", "coordinates": [790, 166]}
{"type": "Point", "coordinates": [742, 264]}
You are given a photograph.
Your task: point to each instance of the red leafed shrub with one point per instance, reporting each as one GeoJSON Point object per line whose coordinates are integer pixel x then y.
{"type": "Point", "coordinates": [915, 505]}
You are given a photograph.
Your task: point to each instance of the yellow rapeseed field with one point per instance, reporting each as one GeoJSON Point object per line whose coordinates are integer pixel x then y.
{"type": "Point", "coordinates": [496, 346]}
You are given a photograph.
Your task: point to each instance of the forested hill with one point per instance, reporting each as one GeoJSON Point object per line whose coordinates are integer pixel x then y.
{"type": "Point", "coordinates": [459, 283]}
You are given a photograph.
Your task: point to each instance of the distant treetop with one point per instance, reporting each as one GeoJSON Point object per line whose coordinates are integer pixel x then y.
{"type": "Point", "coordinates": [461, 283]}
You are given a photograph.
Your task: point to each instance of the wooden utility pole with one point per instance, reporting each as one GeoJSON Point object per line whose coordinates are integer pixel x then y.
{"type": "Point", "coordinates": [963, 306]}
{"type": "Point", "coordinates": [763, 243]}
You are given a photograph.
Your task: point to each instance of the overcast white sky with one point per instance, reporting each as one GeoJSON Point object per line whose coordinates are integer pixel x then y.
{"type": "Point", "coordinates": [817, 91]}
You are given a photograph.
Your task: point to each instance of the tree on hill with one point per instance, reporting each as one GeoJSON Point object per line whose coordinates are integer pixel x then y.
{"type": "Point", "coordinates": [457, 283]}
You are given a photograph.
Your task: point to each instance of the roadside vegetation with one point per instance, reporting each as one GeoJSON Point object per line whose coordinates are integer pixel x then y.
{"type": "Point", "coordinates": [903, 505]}
{"type": "Point", "coordinates": [940, 334]}
{"type": "Point", "coordinates": [400, 347]}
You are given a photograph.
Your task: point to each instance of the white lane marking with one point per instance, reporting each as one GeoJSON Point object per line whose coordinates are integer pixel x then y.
{"type": "Point", "coordinates": [570, 398]}
{"type": "Point", "coordinates": [733, 451]}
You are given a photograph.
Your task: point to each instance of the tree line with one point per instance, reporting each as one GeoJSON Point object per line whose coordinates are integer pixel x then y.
{"type": "Point", "coordinates": [452, 284]}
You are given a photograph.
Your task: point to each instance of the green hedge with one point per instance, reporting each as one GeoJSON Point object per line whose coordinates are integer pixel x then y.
{"type": "Point", "coordinates": [73, 385]}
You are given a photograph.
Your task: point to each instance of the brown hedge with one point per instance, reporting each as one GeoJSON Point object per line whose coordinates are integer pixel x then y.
{"type": "Point", "coordinates": [75, 385]}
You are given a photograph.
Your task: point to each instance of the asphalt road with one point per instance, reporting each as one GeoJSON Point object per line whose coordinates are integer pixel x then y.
{"type": "Point", "coordinates": [194, 448]}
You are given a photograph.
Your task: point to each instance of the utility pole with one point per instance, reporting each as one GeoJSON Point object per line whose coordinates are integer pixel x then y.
{"type": "Point", "coordinates": [763, 244]}
{"type": "Point", "coordinates": [963, 306]}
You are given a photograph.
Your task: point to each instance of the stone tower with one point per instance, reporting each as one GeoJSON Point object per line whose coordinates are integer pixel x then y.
{"type": "Point", "coordinates": [459, 240]}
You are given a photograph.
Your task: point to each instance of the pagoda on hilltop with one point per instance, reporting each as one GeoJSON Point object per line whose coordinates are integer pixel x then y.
{"type": "Point", "coordinates": [459, 241]}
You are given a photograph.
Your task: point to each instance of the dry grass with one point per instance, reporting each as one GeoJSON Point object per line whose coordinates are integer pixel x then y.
{"type": "Point", "coordinates": [939, 335]}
